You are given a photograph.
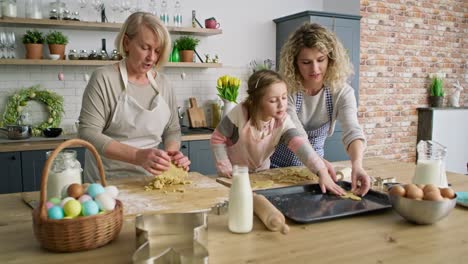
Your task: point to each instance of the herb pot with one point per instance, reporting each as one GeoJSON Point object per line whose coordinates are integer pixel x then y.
{"type": "Point", "coordinates": [17, 131]}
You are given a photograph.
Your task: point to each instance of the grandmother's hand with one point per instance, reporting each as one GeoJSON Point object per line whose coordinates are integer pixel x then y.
{"type": "Point", "coordinates": [155, 161]}
{"type": "Point", "coordinates": [179, 159]}
{"type": "Point", "coordinates": [360, 181]}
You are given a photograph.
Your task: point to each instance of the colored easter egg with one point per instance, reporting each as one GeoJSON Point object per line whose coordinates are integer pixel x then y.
{"type": "Point", "coordinates": [105, 202]}
{"type": "Point", "coordinates": [65, 200]}
{"type": "Point", "coordinates": [55, 212]}
{"type": "Point", "coordinates": [49, 205]}
{"type": "Point", "coordinates": [90, 208]}
{"type": "Point", "coordinates": [72, 208]}
{"type": "Point", "coordinates": [95, 189]}
{"type": "Point", "coordinates": [75, 190]}
{"type": "Point", "coordinates": [84, 198]}
{"type": "Point", "coordinates": [55, 200]}
{"type": "Point", "coordinates": [112, 190]}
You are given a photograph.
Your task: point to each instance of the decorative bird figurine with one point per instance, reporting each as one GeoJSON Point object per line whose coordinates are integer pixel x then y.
{"type": "Point", "coordinates": [455, 96]}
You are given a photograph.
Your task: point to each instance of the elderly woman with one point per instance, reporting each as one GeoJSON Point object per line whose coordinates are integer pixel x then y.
{"type": "Point", "coordinates": [129, 108]}
{"type": "Point", "coordinates": [316, 68]}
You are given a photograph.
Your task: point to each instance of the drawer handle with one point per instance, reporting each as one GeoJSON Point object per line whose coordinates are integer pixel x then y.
{"type": "Point", "coordinates": [13, 157]}
{"type": "Point", "coordinates": [183, 147]}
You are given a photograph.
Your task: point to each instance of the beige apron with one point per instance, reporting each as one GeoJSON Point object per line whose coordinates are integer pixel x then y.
{"type": "Point", "coordinates": [132, 125]}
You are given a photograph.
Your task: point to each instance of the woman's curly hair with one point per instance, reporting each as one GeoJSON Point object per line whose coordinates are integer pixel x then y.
{"type": "Point", "coordinates": [315, 36]}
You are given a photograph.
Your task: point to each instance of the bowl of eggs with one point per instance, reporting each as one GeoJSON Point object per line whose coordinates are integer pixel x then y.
{"type": "Point", "coordinates": [422, 204]}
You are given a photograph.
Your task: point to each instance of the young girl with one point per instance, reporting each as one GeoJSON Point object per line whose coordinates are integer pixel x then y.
{"type": "Point", "coordinates": [249, 134]}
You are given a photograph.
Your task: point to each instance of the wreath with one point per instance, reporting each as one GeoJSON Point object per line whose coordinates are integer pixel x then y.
{"type": "Point", "coordinates": [19, 100]}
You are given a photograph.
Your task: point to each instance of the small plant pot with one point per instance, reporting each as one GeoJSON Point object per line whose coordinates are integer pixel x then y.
{"type": "Point", "coordinates": [33, 51]}
{"type": "Point", "coordinates": [186, 55]}
{"type": "Point", "coordinates": [57, 49]}
{"type": "Point", "coordinates": [436, 101]}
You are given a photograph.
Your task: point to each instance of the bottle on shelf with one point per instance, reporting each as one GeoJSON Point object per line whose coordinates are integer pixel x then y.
{"type": "Point", "coordinates": [240, 209]}
{"type": "Point", "coordinates": [177, 14]}
{"type": "Point", "coordinates": [164, 15]}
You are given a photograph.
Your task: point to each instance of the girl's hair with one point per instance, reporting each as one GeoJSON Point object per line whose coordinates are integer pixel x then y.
{"type": "Point", "coordinates": [131, 28]}
{"type": "Point", "coordinates": [257, 86]}
{"type": "Point", "coordinates": [315, 36]}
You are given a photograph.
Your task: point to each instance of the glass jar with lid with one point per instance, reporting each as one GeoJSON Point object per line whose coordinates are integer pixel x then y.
{"type": "Point", "coordinates": [73, 55]}
{"type": "Point", "coordinates": [59, 8]}
{"type": "Point", "coordinates": [8, 8]}
{"type": "Point", "coordinates": [65, 170]}
{"type": "Point", "coordinates": [33, 9]}
{"type": "Point", "coordinates": [116, 55]}
{"type": "Point", "coordinates": [92, 55]}
{"type": "Point", "coordinates": [67, 15]}
{"type": "Point", "coordinates": [83, 54]}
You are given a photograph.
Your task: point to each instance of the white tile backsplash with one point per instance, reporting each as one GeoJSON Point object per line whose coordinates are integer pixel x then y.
{"type": "Point", "coordinates": [198, 83]}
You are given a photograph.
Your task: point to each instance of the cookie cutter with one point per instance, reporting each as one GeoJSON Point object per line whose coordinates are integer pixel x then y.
{"type": "Point", "coordinates": [174, 237]}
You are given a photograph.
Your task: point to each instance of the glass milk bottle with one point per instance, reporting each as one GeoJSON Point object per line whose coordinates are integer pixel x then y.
{"type": "Point", "coordinates": [65, 170]}
{"type": "Point", "coordinates": [430, 167]}
{"type": "Point", "coordinates": [240, 208]}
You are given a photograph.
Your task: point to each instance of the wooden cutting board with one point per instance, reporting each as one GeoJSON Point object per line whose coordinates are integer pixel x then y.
{"type": "Point", "coordinates": [196, 114]}
{"type": "Point", "coordinates": [203, 193]}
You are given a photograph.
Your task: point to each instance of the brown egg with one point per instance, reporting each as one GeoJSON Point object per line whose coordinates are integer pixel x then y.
{"type": "Point", "coordinates": [75, 190]}
{"type": "Point", "coordinates": [421, 186]}
{"type": "Point", "coordinates": [397, 190]}
{"type": "Point", "coordinates": [413, 192]}
{"type": "Point", "coordinates": [433, 196]}
{"type": "Point", "coordinates": [430, 188]}
{"type": "Point", "coordinates": [447, 193]}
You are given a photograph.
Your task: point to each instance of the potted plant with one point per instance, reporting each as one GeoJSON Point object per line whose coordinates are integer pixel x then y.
{"type": "Point", "coordinates": [33, 41]}
{"type": "Point", "coordinates": [57, 42]}
{"type": "Point", "coordinates": [186, 46]}
{"type": "Point", "coordinates": [436, 90]}
{"type": "Point", "coordinates": [228, 89]}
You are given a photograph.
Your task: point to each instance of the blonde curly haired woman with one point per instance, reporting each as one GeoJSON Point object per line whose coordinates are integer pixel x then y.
{"type": "Point", "coordinates": [316, 68]}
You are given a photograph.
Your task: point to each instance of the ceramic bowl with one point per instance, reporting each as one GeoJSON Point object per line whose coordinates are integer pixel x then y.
{"type": "Point", "coordinates": [422, 211]}
{"type": "Point", "coordinates": [54, 56]}
{"type": "Point", "coordinates": [52, 131]}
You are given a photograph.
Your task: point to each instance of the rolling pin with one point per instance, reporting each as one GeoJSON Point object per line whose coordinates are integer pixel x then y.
{"type": "Point", "coordinates": [270, 216]}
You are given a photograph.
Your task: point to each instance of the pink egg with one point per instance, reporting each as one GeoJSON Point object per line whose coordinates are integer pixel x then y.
{"type": "Point", "coordinates": [84, 198]}
{"type": "Point", "coordinates": [49, 205]}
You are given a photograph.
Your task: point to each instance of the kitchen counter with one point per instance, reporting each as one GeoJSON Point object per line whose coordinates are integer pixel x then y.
{"type": "Point", "coordinates": [380, 237]}
{"type": "Point", "coordinates": [39, 143]}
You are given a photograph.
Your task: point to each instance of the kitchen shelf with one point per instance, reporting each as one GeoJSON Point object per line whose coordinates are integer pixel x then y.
{"type": "Point", "coordinates": [94, 26]}
{"type": "Point", "coordinates": [100, 63]}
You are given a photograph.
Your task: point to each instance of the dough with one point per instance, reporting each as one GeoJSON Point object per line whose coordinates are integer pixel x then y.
{"type": "Point", "coordinates": [290, 175]}
{"type": "Point", "coordinates": [173, 176]}
{"type": "Point", "coordinates": [352, 196]}
{"type": "Point", "coordinates": [261, 184]}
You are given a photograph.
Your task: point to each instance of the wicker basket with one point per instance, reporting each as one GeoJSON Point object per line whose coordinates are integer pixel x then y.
{"type": "Point", "coordinates": [82, 233]}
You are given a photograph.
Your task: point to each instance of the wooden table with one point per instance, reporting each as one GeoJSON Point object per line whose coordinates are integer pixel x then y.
{"type": "Point", "coordinates": [382, 237]}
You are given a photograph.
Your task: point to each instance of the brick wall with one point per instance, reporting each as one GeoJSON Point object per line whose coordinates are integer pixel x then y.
{"type": "Point", "coordinates": [402, 43]}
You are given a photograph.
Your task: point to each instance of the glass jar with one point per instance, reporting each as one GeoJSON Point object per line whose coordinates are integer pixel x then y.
{"type": "Point", "coordinates": [8, 8]}
{"type": "Point", "coordinates": [59, 7]}
{"type": "Point", "coordinates": [76, 16]}
{"type": "Point", "coordinates": [33, 9]}
{"type": "Point", "coordinates": [73, 54]}
{"type": "Point", "coordinates": [116, 55]}
{"type": "Point", "coordinates": [430, 167]}
{"type": "Point", "coordinates": [92, 55]}
{"type": "Point", "coordinates": [53, 14]}
{"type": "Point", "coordinates": [102, 55]}
{"type": "Point", "coordinates": [67, 15]}
{"type": "Point", "coordinates": [83, 54]}
{"type": "Point", "coordinates": [65, 170]}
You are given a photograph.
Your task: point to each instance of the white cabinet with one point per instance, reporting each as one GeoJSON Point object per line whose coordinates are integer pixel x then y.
{"type": "Point", "coordinates": [449, 127]}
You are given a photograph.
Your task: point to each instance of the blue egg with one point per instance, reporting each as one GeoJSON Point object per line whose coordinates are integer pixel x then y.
{"type": "Point", "coordinates": [90, 208]}
{"type": "Point", "coordinates": [95, 189]}
{"type": "Point", "coordinates": [55, 212]}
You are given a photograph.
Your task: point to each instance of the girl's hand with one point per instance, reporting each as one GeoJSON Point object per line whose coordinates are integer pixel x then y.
{"type": "Point", "coordinates": [360, 181]}
{"type": "Point", "coordinates": [155, 161]}
{"type": "Point", "coordinates": [331, 170]}
{"type": "Point", "coordinates": [224, 168]}
{"type": "Point", "coordinates": [326, 183]}
{"type": "Point", "coordinates": [179, 159]}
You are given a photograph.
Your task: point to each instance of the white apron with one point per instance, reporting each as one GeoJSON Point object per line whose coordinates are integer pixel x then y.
{"type": "Point", "coordinates": [133, 125]}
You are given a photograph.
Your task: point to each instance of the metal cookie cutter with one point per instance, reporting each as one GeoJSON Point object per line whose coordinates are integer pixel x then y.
{"type": "Point", "coordinates": [173, 238]}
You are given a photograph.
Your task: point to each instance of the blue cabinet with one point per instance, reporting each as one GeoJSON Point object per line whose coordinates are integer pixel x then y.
{"type": "Point", "coordinates": [10, 176]}
{"type": "Point", "coordinates": [201, 156]}
{"type": "Point", "coordinates": [347, 28]}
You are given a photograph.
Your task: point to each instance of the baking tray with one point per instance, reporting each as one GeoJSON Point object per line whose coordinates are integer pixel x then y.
{"type": "Point", "coordinates": [307, 204]}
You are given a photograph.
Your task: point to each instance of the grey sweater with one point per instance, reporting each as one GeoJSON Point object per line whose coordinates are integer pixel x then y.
{"type": "Point", "coordinates": [100, 100]}
{"type": "Point", "coordinates": [313, 113]}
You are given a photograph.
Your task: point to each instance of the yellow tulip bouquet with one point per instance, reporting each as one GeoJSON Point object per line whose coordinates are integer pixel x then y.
{"type": "Point", "coordinates": [228, 88]}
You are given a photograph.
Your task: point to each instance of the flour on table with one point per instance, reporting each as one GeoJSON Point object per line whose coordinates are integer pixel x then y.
{"type": "Point", "coordinates": [136, 203]}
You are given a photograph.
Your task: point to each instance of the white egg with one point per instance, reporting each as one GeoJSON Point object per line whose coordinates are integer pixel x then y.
{"type": "Point", "coordinates": [112, 190]}
{"type": "Point", "coordinates": [105, 201]}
